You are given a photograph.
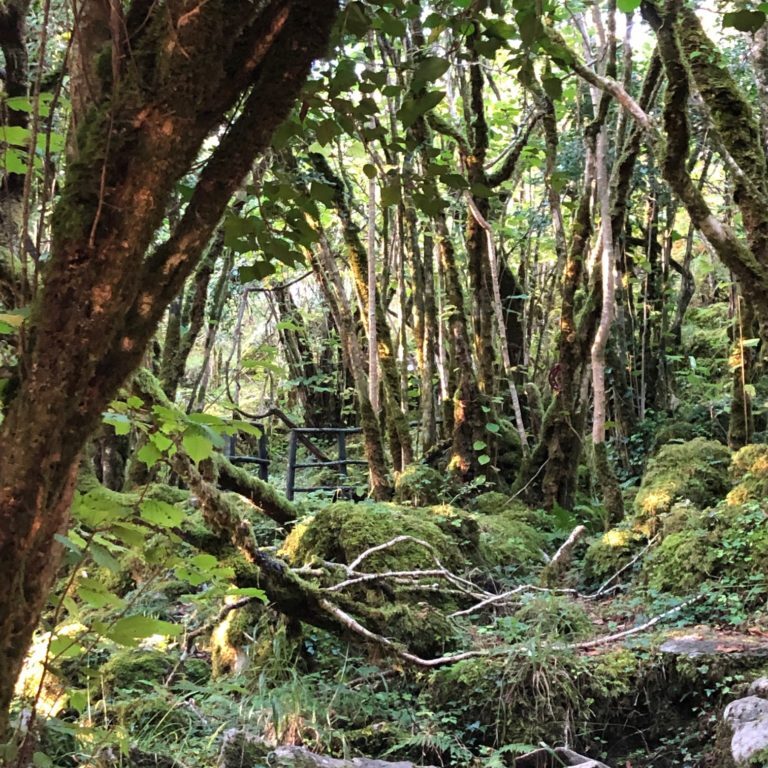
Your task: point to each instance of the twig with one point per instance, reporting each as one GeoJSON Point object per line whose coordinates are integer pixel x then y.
{"type": "Point", "coordinates": [605, 639]}
{"type": "Point", "coordinates": [365, 577]}
{"type": "Point", "coordinates": [604, 586]}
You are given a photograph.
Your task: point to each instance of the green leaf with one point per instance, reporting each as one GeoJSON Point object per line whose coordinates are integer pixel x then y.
{"type": "Point", "coordinates": [118, 421]}
{"type": "Point", "coordinates": [149, 455]}
{"type": "Point", "coordinates": [248, 592]}
{"type": "Point", "coordinates": [369, 170]}
{"type": "Point", "coordinates": [412, 109]}
{"type": "Point", "coordinates": [13, 161]}
{"type": "Point", "coordinates": [14, 134]}
{"type": "Point", "coordinates": [493, 427]}
{"type": "Point", "coordinates": [256, 271]}
{"type": "Point", "coordinates": [628, 6]}
{"type": "Point", "coordinates": [429, 70]}
{"type": "Point", "coordinates": [327, 131]}
{"type": "Point", "coordinates": [483, 460]}
{"type": "Point", "coordinates": [479, 445]}
{"type": "Point", "coordinates": [65, 648]}
{"type": "Point", "coordinates": [104, 559]}
{"type": "Point", "coordinates": [355, 20]}
{"type": "Point", "coordinates": [744, 20]}
{"type": "Point", "coordinates": [41, 760]}
{"type": "Point", "coordinates": [96, 595]}
{"type": "Point", "coordinates": [197, 445]}
{"type": "Point", "coordinates": [391, 192]}
{"type": "Point", "coordinates": [454, 181]}
{"type": "Point", "coordinates": [553, 87]}
{"type": "Point", "coordinates": [16, 319]}
{"type": "Point", "coordinates": [130, 629]}
{"type": "Point", "coordinates": [161, 513]}
{"type": "Point", "coordinates": [162, 442]}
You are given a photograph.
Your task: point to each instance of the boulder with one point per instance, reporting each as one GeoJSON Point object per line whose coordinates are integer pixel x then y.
{"type": "Point", "coordinates": [748, 721]}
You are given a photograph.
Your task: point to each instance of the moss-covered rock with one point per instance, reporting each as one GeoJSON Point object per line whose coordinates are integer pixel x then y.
{"type": "Point", "coordinates": [558, 617]}
{"type": "Point", "coordinates": [728, 542]}
{"type": "Point", "coordinates": [697, 471]}
{"type": "Point", "coordinates": [136, 669]}
{"type": "Point", "coordinates": [749, 472]}
{"type": "Point", "coordinates": [421, 485]}
{"type": "Point", "coordinates": [674, 432]}
{"type": "Point", "coordinates": [157, 719]}
{"type": "Point", "coordinates": [527, 698]}
{"type": "Point", "coordinates": [609, 553]}
{"type": "Point", "coordinates": [508, 542]}
{"type": "Point", "coordinates": [342, 531]}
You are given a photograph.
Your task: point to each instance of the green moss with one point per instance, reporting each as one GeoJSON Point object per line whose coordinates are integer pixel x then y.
{"type": "Point", "coordinates": [136, 669]}
{"type": "Point", "coordinates": [495, 503]}
{"type": "Point", "coordinates": [697, 471]}
{"type": "Point", "coordinates": [749, 470]}
{"type": "Point", "coordinates": [342, 531]}
{"type": "Point", "coordinates": [674, 432]}
{"type": "Point", "coordinates": [421, 485]}
{"type": "Point", "coordinates": [509, 542]}
{"type": "Point", "coordinates": [240, 749]}
{"type": "Point", "coordinates": [528, 698]}
{"type": "Point", "coordinates": [729, 542]}
{"type": "Point", "coordinates": [157, 718]}
{"type": "Point", "coordinates": [554, 616]}
{"type": "Point", "coordinates": [610, 552]}
{"type": "Point", "coordinates": [422, 629]}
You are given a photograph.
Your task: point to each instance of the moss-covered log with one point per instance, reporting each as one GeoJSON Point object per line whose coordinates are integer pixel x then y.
{"type": "Point", "coordinates": [229, 477]}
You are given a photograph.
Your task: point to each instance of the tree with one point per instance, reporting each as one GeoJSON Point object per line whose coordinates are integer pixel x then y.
{"type": "Point", "coordinates": [161, 79]}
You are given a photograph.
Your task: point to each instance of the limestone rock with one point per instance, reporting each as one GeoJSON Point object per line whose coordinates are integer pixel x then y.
{"type": "Point", "coordinates": [547, 758]}
{"type": "Point", "coordinates": [240, 749]}
{"type": "Point", "coordinates": [748, 720]}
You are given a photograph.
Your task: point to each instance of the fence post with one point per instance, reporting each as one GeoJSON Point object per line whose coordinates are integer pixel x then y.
{"type": "Point", "coordinates": [290, 481]}
{"type": "Point", "coordinates": [263, 455]}
{"type": "Point", "coordinates": [342, 442]}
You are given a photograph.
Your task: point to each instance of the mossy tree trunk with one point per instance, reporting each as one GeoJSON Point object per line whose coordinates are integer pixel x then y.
{"type": "Point", "coordinates": [402, 446]}
{"type": "Point", "coordinates": [319, 401]}
{"type": "Point", "coordinates": [177, 71]}
{"type": "Point", "coordinates": [691, 60]}
{"type": "Point", "coordinates": [186, 317]}
{"type": "Point", "coordinates": [741, 424]}
{"type": "Point", "coordinates": [13, 287]}
{"type": "Point", "coordinates": [327, 272]}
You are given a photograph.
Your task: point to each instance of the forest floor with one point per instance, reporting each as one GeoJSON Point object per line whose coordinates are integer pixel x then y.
{"type": "Point", "coordinates": [475, 634]}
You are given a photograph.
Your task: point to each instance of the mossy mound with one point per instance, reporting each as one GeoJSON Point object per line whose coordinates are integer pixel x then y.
{"type": "Point", "coordinates": [421, 485]}
{"type": "Point", "coordinates": [527, 698]}
{"type": "Point", "coordinates": [749, 472]}
{"type": "Point", "coordinates": [342, 531]}
{"type": "Point", "coordinates": [136, 669]}
{"type": "Point", "coordinates": [159, 719]}
{"type": "Point", "coordinates": [726, 543]}
{"type": "Point", "coordinates": [495, 503]}
{"type": "Point", "coordinates": [552, 615]}
{"type": "Point", "coordinates": [508, 542]}
{"type": "Point", "coordinates": [697, 471]}
{"type": "Point", "coordinates": [609, 553]}
{"type": "Point", "coordinates": [674, 432]}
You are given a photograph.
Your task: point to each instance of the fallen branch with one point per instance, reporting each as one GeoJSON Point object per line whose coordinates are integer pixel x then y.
{"type": "Point", "coordinates": [627, 566]}
{"type": "Point", "coordinates": [606, 639]}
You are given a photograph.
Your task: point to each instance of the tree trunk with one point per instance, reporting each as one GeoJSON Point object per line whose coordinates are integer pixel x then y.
{"type": "Point", "coordinates": [103, 296]}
